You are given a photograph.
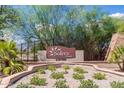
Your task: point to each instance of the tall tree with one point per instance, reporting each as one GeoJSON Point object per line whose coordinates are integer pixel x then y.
{"type": "Point", "coordinates": [71, 26]}
{"type": "Point", "coordinates": [9, 18]}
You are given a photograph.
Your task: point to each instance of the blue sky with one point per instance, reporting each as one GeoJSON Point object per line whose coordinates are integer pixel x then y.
{"type": "Point", "coordinates": [111, 9]}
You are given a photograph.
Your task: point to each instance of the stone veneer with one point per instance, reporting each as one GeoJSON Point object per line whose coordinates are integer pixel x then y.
{"type": "Point", "coordinates": [117, 40]}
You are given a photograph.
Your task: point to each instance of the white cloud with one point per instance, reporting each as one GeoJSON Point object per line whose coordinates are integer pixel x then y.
{"type": "Point", "coordinates": [117, 15]}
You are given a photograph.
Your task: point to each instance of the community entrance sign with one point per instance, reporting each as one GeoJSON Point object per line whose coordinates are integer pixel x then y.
{"type": "Point", "coordinates": [60, 52]}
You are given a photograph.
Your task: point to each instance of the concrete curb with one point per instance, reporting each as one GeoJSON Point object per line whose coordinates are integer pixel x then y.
{"type": "Point", "coordinates": [102, 69]}
{"type": "Point", "coordinates": [42, 62]}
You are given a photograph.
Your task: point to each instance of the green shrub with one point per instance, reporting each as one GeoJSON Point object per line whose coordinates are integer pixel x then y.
{"type": "Point", "coordinates": [78, 76]}
{"type": "Point", "coordinates": [40, 71]}
{"type": "Point", "coordinates": [51, 68]}
{"type": "Point", "coordinates": [66, 67]}
{"type": "Point", "coordinates": [1, 67]}
{"type": "Point", "coordinates": [61, 84]}
{"type": "Point", "coordinates": [117, 84]}
{"type": "Point", "coordinates": [21, 85]}
{"type": "Point", "coordinates": [99, 76]}
{"type": "Point", "coordinates": [35, 80]}
{"type": "Point", "coordinates": [87, 84]}
{"type": "Point", "coordinates": [117, 56]}
{"type": "Point", "coordinates": [57, 75]}
{"type": "Point", "coordinates": [79, 70]}
{"type": "Point", "coordinates": [7, 71]}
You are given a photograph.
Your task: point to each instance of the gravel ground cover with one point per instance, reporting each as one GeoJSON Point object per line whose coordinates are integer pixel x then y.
{"type": "Point", "coordinates": [70, 81]}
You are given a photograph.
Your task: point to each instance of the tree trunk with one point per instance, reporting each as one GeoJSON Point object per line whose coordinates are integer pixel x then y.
{"type": "Point", "coordinates": [120, 66]}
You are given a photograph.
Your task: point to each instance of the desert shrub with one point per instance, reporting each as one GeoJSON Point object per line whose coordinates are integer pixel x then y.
{"type": "Point", "coordinates": [22, 85]}
{"type": "Point", "coordinates": [7, 71]}
{"type": "Point", "coordinates": [117, 57]}
{"type": "Point", "coordinates": [79, 70]}
{"type": "Point", "coordinates": [66, 67]}
{"type": "Point", "coordinates": [35, 80]}
{"type": "Point", "coordinates": [51, 68]}
{"type": "Point", "coordinates": [1, 67]}
{"type": "Point", "coordinates": [87, 84]}
{"type": "Point", "coordinates": [57, 75]}
{"type": "Point", "coordinates": [40, 71]}
{"type": "Point", "coordinates": [78, 76]}
{"type": "Point", "coordinates": [117, 84]}
{"type": "Point", "coordinates": [61, 84]}
{"type": "Point", "coordinates": [99, 76]}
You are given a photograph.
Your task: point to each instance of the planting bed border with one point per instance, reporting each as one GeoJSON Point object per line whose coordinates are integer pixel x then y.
{"type": "Point", "coordinates": [7, 81]}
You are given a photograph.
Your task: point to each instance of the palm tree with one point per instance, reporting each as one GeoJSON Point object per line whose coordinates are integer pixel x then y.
{"type": "Point", "coordinates": [8, 55]}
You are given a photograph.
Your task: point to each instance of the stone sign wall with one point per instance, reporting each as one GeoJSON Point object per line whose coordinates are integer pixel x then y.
{"type": "Point", "coordinates": [66, 54]}
{"type": "Point", "coordinates": [60, 52]}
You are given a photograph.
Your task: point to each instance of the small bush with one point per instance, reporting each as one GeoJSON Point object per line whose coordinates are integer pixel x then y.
{"type": "Point", "coordinates": [7, 71]}
{"type": "Point", "coordinates": [66, 67]}
{"type": "Point", "coordinates": [35, 80]}
{"type": "Point", "coordinates": [51, 68]}
{"type": "Point", "coordinates": [99, 76]}
{"type": "Point", "coordinates": [87, 84]}
{"type": "Point", "coordinates": [61, 84]}
{"type": "Point", "coordinates": [117, 84]}
{"type": "Point", "coordinates": [41, 71]}
{"type": "Point", "coordinates": [79, 70]}
{"type": "Point", "coordinates": [57, 75]}
{"type": "Point", "coordinates": [78, 76]}
{"type": "Point", "coordinates": [21, 85]}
